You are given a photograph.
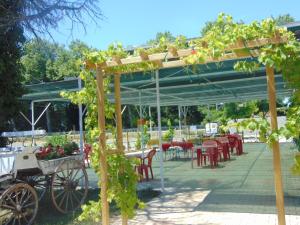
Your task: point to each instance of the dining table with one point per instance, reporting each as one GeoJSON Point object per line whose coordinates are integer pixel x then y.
{"type": "Point", "coordinates": [198, 149]}
{"type": "Point", "coordinates": [137, 154]}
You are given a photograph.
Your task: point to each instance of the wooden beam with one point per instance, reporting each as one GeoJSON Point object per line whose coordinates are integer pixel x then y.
{"type": "Point", "coordinates": [173, 51]}
{"type": "Point", "coordinates": [132, 59]}
{"type": "Point", "coordinates": [173, 55]}
{"type": "Point", "coordinates": [117, 60]}
{"type": "Point", "coordinates": [275, 147]}
{"type": "Point", "coordinates": [144, 55]}
{"type": "Point", "coordinates": [119, 124]}
{"type": "Point", "coordinates": [102, 146]}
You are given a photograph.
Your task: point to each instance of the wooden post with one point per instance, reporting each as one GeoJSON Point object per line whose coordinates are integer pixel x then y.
{"type": "Point", "coordinates": [102, 147]}
{"type": "Point", "coordinates": [119, 124]}
{"type": "Point", "coordinates": [275, 147]}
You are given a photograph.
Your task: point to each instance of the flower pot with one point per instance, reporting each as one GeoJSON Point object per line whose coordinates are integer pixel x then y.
{"type": "Point", "coordinates": [141, 122]}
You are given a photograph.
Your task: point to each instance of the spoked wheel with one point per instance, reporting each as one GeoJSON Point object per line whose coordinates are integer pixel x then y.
{"type": "Point", "coordinates": [40, 184]}
{"type": "Point", "coordinates": [18, 205]}
{"type": "Point", "coordinates": [69, 186]}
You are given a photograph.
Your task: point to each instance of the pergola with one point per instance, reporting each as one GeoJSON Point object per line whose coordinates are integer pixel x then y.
{"type": "Point", "coordinates": [169, 60]}
{"type": "Point", "coordinates": [174, 82]}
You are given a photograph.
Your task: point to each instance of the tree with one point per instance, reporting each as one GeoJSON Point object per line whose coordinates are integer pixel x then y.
{"type": "Point", "coordinates": [209, 24]}
{"type": "Point", "coordinates": [167, 35]}
{"type": "Point", "coordinates": [237, 111]}
{"type": "Point", "coordinates": [40, 16]}
{"type": "Point", "coordinates": [11, 39]}
{"type": "Point", "coordinates": [283, 19]}
{"type": "Point", "coordinates": [36, 17]}
{"type": "Point", "coordinates": [68, 61]}
{"type": "Point", "coordinates": [212, 115]}
{"type": "Point", "coordinates": [263, 107]}
{"type": "Point", "coordinates": [37, 61]}
{"type": "Point", "coordinates": [280, 20]}
{"type": "Point", "coordinates": [44, 61]}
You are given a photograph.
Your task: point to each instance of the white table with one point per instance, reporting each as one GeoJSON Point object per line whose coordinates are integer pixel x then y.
{"type": "Point", "coordinates": [137, 153]}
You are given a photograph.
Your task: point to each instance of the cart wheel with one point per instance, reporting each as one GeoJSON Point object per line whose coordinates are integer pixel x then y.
{"type": "Point", "coordinates": [69, 186]}
{"type": "Point", "coordinates": [40, 184]}
{"type": "Point", "coordinates": [18, 205]}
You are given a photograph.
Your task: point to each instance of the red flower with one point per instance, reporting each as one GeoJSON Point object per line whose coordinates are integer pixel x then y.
{"type": "Point", "coordinates": [60, 151]}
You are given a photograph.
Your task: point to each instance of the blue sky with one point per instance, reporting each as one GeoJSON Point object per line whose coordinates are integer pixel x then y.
{"type": "Point", "coordinates": [133, 22]}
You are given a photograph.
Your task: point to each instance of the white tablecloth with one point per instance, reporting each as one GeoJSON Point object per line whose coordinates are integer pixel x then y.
{"type": "Point", "coordinates": [138, 153]}
{"type": "Point", "coordinates": [6, 162]}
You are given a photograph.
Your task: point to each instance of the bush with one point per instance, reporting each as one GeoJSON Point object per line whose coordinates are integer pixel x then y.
{"type": "Point", "coordinates": [57, 140]}
{"type": "Point", "coordinates": [70, 147]}
{"type": "Point", "coordinates": [297, 143]}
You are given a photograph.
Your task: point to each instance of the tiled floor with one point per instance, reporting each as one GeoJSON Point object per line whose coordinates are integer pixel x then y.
{"type": "Point", "coordinates": [240, 191]}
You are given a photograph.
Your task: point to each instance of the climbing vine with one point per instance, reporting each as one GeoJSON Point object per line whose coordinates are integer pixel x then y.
{"type": "Point", "coordinates": [217, 43]}
{"type": "Point", "coordinates": [122, 185]}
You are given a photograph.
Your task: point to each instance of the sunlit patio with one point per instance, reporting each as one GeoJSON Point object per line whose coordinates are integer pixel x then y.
{"type": "Point", "coordinates": [239, 191]}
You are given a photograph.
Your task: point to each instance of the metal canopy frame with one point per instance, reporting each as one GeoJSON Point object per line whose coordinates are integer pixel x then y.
{"type": "Point", "coordinates": [50, 92]}
{"type": "Point", "coordinates": [180, 88]}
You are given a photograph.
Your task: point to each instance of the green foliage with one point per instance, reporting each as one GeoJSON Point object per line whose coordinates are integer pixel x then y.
{"type": "Point", "coordinates": [38, 61]}
{"type": "Point", "coordinates": [138, 143]}
{"type": "Point", "coordinates": [43, 61]}
{"type": "Point", "coordinates": [167, 35]}
{"type": "Point", "coordinates": [296, 141]}
{"type": "Point", "coordinates": [263, 108]}
{"type": "Point", "coordinates": [91, 210]}
{"type": "Point", "coordinates": [168, 136]}
{"type": "Point", "coordinates": [122, 186]}
{"type": "Point", "coordinates": [239, 110]}
{"type": "Point", "coordinates": [296, 166]}
{"type": "Point", "coordinates": [145, 134]}
{"type": "Point", "coordinates": [210, 24]}
{"type": "Point", "coordinates": [57, 140]}
{"type": "Point", "coordinates": [70, 147]}
{"type": "Point", "coordinates": [122, 180]}
{"type": "Point", "coordinates": [283, 19]}
{"type": "Point", "coordinates": [52, 155]}
{"type": "Point", "coordinates": [213, 115]}
{"type": "Point", "coordinates": [245, 66]}
{"type": "Point", "coordinates": [11, 40]}
{"type": "Point", "coordinates": [260, 124]}
{"type": "Point", "coordinates": [292, 127]}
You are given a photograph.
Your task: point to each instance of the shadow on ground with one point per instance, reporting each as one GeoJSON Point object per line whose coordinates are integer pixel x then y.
{"type": "Point", "coordinates": [48, 215]}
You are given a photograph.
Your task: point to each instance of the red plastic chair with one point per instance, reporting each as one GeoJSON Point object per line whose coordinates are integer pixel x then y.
{"type": "Point", "coordinates": [199, 156]}
{"type": "Point", "coordinates": [165, 148]}
{"type": "Point", "coordinates": [240, 143]}
{"type": "Point", "coordinates": [235, 141]}
{"type": "Point", "coordinates": [146, 164]}
{"type": "Point", "coordinates": [211, 152]}
{"type": "Point", "coordinates": [224, 142]}
{"type": "Point", "coordinates": [189, 146]}
{"type": "Point", "coordinates": [87, 152]}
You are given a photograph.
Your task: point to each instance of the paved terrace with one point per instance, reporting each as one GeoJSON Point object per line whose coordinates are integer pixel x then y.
{"type": "Point", "coordinates": [238, 192]}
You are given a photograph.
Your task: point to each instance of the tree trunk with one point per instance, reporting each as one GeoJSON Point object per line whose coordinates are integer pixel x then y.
{"type": "Point", "coordinates": [48, 119]}
{"type": "Point", "coordinates": [130, 116]}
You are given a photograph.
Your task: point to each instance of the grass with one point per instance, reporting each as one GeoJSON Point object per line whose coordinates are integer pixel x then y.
{"type": "Point", "coordinates": [48, 215]}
